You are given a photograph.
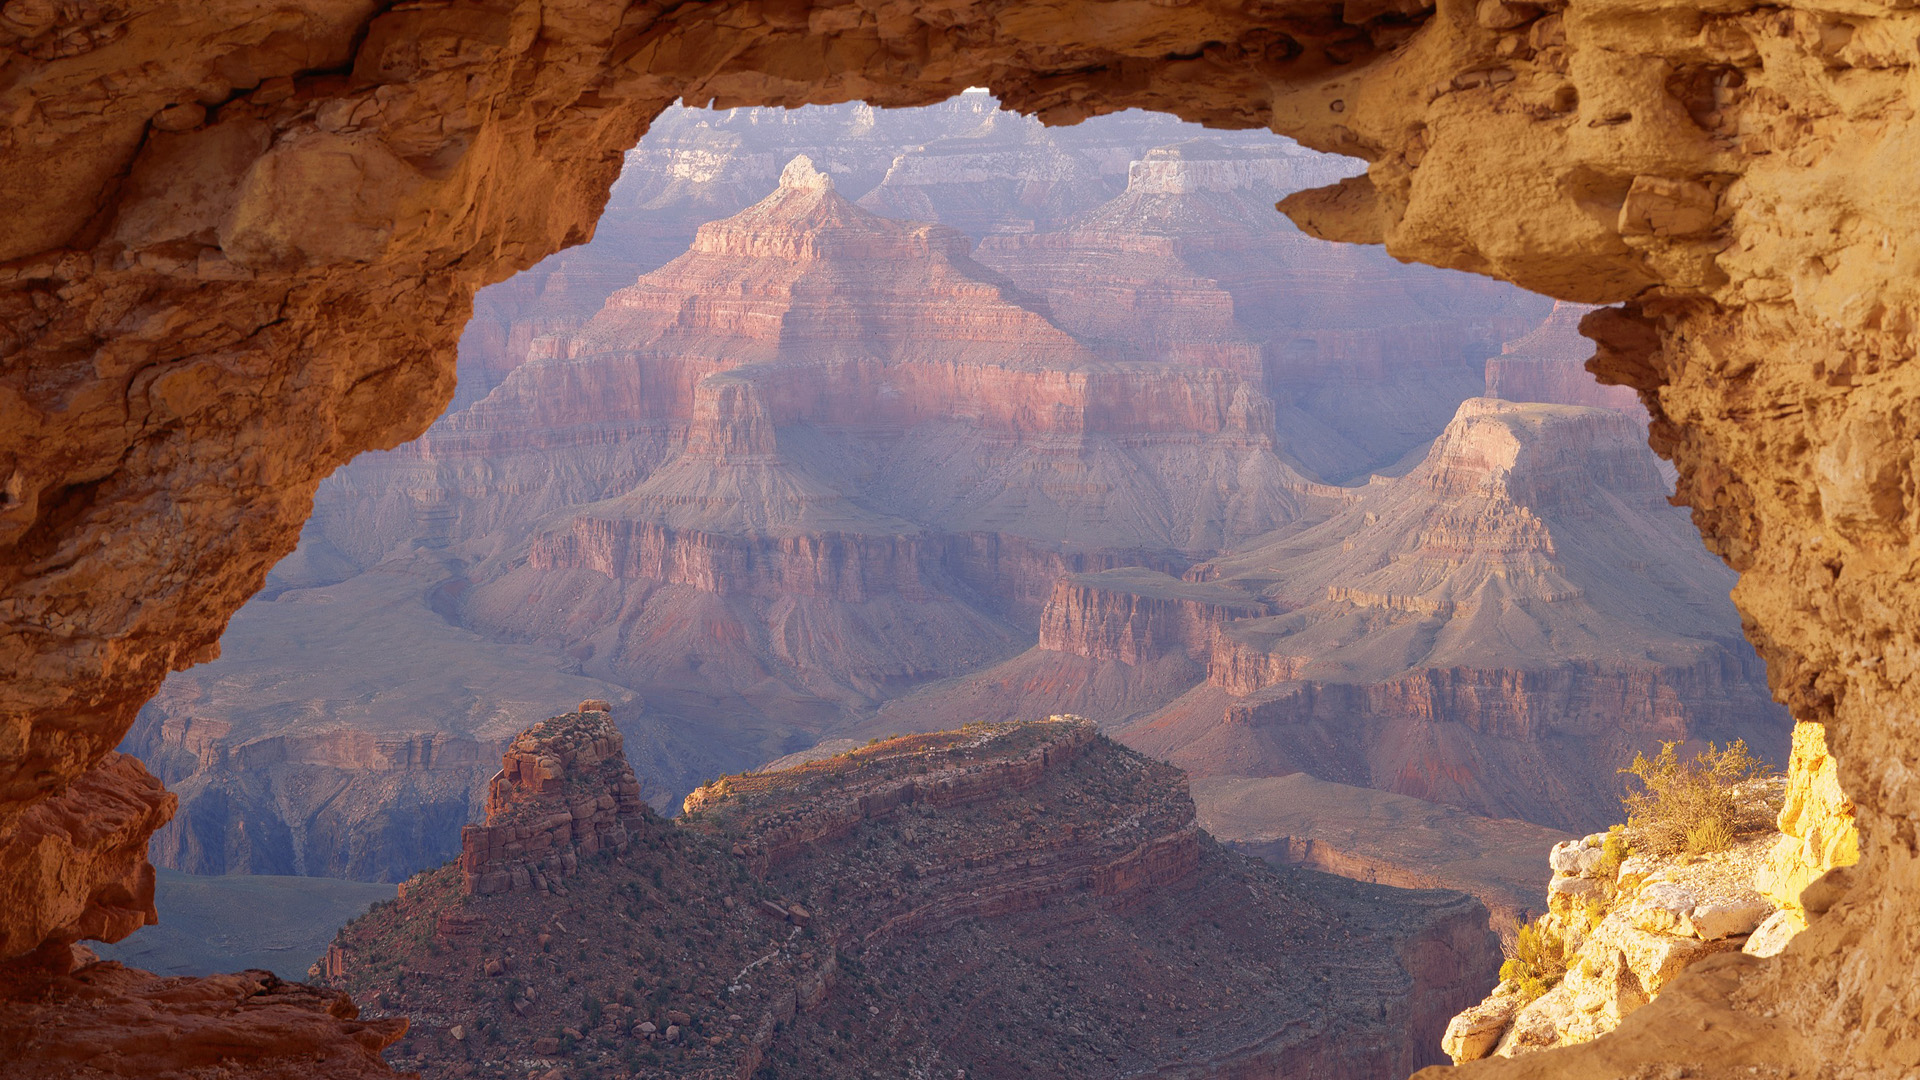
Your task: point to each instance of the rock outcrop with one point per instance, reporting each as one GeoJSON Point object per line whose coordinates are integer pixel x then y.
{"type": "Point", "coordinates": [1000, 900]}
{"type": "Point", "coordinates": [1549, 363]}
{"type": "Point", "coordinates": [97, 1019]}
{"type": "Point", "coordinates": [241, 248]}
{"type": "Point", "coordinates": [1817, 835]}
{"type": "Point", "coordinates": [564, 792]}
{"type": "Point", "coordinates": [1624, 925]}
{"type": "Point", "coordinates": [1498, 629]}
{"type": "Point", "coordinates": [1136, 615]}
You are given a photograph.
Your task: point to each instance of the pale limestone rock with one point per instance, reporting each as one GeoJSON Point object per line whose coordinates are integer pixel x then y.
{"type": "Point", "coordinates": [1663, 909]}
{"type": "Point", "coordinates": [1730, 918]}
{"type": "Point", "coordinates": [1773, 935]}
{"type": "Point", "coordinates": [1473, 1034]}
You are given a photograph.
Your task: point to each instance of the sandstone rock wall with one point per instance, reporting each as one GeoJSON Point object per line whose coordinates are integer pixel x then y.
{"type": "Point", "coordinates": [564, 792]}
{"type": "Point", "coordinates": [1134, 616]}
{"type": "Point", "coordinates": [1818, 834]}
{"type": "Point", "coordinates": [1722, 174]}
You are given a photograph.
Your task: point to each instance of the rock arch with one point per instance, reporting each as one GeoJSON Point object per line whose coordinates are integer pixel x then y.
{"type": "Point", "coordinates": [241, 238]}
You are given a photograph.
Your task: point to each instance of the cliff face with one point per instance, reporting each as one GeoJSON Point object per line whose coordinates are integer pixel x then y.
{"type": "Point", "coordinates": [1628, 924]}
{"type": "Point", "coordinates": [1550, 364]}
{"type": "Point", "coordinates": [1363, 358]}
{"type": "Point", "coordinates": [564, 792]}
{"type": "Point", "coordinates": [1134, 616]}
{"type": "Point", "coordinates": [999, 899]}
{"type": "Point", "coordinates": [1471, 632]}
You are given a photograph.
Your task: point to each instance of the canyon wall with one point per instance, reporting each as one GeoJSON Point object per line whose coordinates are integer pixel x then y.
{"type": "Point", "coordinates": [244, 243]}
{"type": "Point", "coordinates": [1497, 629]}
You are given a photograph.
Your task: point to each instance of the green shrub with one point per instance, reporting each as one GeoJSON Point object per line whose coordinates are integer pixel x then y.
{"type": "Point", "coordinates": [1678, 798]}
{"type": "Point", "coordinates": [1537, 960]}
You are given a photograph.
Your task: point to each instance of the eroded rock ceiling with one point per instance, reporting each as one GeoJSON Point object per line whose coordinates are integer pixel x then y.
{"type": "Point", "coordinates": [242, 238]}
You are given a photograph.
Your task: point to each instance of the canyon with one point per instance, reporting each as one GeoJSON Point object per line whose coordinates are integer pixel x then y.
{"type": "Point", "coordinates": [816, 460]}
{"type": "Point", "coordinates": [1494, 630]}
{"type": "Point", "coordinates": [243, 243]}
{"type": "Point", "coordinates": [999, 901]}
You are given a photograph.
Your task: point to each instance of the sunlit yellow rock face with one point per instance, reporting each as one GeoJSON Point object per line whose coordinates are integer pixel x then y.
{"type": "Point", "coordinates": [1816, 826]}
{"type": "Point", "coordinates": [242, 237]}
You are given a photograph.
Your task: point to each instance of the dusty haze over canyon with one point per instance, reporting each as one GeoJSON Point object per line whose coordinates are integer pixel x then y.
{"type": "Point", "coordinates": [242, 244]}
{"type": "Point", "coordinates": [824, 474]}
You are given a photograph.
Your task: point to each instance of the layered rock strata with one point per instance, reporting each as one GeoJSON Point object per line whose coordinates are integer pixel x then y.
{"type": "Point", "coordinates": [564, 792]}
{"type": "Point", "coordinates": [896, 906]}
{"type": "Point", "coordinates": [1136, 615]}
{"type": "Point", "coordinates": [1722, 175]}
{"type": "Point", "coordinates": [1472, 633]}
{"type": "Point", "coordinates": [1550, 364]}
{"type": "Point", "coordinates": [1363, 359]}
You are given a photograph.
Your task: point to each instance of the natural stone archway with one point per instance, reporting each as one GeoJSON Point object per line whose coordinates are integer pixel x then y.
{"type": "Point", "coordinates": [242, 238]}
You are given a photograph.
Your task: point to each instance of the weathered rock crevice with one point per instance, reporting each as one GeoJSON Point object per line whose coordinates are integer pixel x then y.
{"type": "Point", "coordinates": [242, 242]}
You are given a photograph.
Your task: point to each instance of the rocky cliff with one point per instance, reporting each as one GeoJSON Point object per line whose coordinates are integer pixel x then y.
{"type": "Point", "coordinates": [243, 248]}
{"type": "Point", "coordinates": [1136, 615]}
{"type": "Point", "coordinates": [564, 792]}
{"type": "Point", "coordinates": [1471, 633]}
{"type": "Point", "coordinates": [1363, 359]}
{"type": "Point", "coordinates": [1622, 925]}
{"type": "Point", "coordinates": [1549, 363]}
{"type": "Point", "coordinates": [999, 900]}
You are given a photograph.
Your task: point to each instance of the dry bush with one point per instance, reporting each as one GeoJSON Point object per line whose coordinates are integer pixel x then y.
{"type": "Point", "coordinates": [1689, 805]}
{"type": "Point", "coordinates": [1537, 960]}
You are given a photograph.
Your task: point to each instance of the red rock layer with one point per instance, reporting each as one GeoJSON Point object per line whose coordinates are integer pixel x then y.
{"type": "Point", "coordinates": [1550, 364]}
{"type": "Point", "coordinates": [94, 1021]}
{"type": "Point", "coordinates": [77, 862]}
{"type": "Point", "coordinates": [564, 792]}
{"type": "Point", "coordinates": [1135, 616]}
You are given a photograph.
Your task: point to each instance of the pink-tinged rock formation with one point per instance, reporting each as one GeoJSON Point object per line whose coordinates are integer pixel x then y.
{"type": "Point", "coordinates": [364, 766]}
{"type": "Point", "coordinates": [564, 792]}
{"type": "Point", "coordinates": [1724, 175]}
{"type": "Point", "coordinates": [1364, 358]}
{"type": "Point", "coordinates": [1135, 616]}
{"type": "Point", "coordinates": [1549, 363]}
{"type": "Point", "coordinates": [1498, 629]}
{"type": "Point", "coordinates": [63, 1018]}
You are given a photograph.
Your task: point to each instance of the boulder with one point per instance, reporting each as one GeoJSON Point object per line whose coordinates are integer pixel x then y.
{"type": "Point", "coordinates": [1729, 918]}
{"type": "Point", "coordinates": [1473, 1034]}
{"type": "Point", "coordinates": [1773, 934]}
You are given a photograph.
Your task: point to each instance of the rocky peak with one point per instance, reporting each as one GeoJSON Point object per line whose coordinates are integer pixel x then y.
{"type": "Point", "coordinates": [800, 175]}
{"type": "Point", "coordinates": [806, 220]}
{"type": "Point", "coordinates": [1538, 453]}
{"type": "Point", "coordinates": [564, 791]}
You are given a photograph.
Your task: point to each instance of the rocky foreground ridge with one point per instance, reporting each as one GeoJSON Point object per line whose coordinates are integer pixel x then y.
{"type": "Point", "coordinates": [999, 901]}
{"type": "Point", "coordinates": [1629, 924]}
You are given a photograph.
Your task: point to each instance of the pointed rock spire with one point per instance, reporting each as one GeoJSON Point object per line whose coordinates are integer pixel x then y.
{"type": "Point", "coordinates": [800, 175]}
